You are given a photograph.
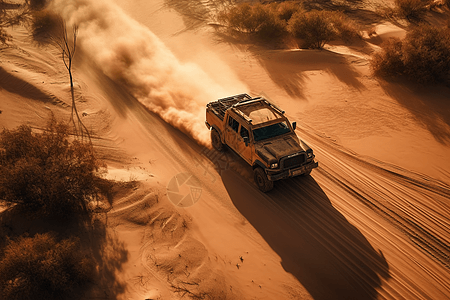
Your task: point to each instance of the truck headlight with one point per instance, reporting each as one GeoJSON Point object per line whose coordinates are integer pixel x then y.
{"type": "Point", "coordinates": [273, 166]}
{"type": "Point", "coordinates": [310, 154]}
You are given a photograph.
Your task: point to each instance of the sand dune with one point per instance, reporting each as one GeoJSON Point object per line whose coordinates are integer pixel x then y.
{"type": "Point", "coordinates": [370, 223]}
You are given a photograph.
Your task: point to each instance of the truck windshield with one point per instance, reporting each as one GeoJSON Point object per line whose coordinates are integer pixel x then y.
{"type": "Point", "coordinates": [270, 131]}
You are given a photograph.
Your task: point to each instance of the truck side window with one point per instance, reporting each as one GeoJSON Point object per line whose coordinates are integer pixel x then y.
{"type": "Point", "coordinates": [244, 132]}
{"type": "Point", "coordinates": [233, 124]}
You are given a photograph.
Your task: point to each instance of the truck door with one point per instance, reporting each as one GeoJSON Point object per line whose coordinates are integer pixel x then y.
{"type": "Point", "coordinates": [231, 132]}
{"type": "Point", "coordinates": [244, 151]}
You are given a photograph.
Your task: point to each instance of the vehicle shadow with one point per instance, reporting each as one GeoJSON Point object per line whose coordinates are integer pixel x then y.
{"type": "Point", "coordinates": [329, 256]}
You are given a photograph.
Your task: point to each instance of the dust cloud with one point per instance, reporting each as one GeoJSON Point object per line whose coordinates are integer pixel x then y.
{"type": "Point", "coordinates": [129, 53]}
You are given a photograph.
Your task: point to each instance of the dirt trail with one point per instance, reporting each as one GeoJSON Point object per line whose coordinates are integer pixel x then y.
{"type": "Point", "coordinates": [403, 214]}
{"type": "Point", "coordinates": [358, 228]}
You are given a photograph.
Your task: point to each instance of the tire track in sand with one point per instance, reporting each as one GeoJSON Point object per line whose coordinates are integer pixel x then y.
{"type": "Point", "coordinates": [414, 208]}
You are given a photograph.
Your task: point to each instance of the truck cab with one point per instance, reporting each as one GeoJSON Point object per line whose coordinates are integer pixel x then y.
{"type": "Point", "coordinates": [259, 132]}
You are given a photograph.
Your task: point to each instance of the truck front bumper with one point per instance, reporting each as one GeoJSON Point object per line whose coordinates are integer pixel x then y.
{"type": "Point", "coordinates": [274, 175]}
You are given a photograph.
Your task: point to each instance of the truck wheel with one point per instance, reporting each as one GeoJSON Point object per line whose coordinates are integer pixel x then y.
{"type": "Point", "coordinates": [307, 173]}
{"type": "Point", "coordinates": [215, 140]}
{"type": "Point", "coordinates": [261, 180]}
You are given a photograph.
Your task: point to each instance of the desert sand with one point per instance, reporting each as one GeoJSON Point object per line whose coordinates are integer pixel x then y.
{"type": "Point", "coordinates": [370, 223]}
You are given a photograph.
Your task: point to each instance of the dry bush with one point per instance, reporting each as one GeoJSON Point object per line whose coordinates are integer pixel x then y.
{"type": "Point", "coordinates": [412, 10]}
{"type": "Point", "coordinates": [346, 29]}
{"type": "Point", "coordinates": [319, 27]}
{"type": "Point", "coordinates": [426, 54]}
{"type": "Point", "coordinates": [270, 26]}
{"type": "Point", "coordinates": [313, 27]}
{"type": "Point", "coordinates": [237, 18]}
{"type": "Point", "coordinates": [46, 173]}
{"type": "Point", "coordinates": [388, 62]}
{"type": "Point", "coordinates": [39, 267]}
{"type": "Point", "coordinates": [277, 20]}
{"type": "Point", "coordinates": [423, 56]}
{"type": "Point", "coordinates": [286, 10]}
{"type": "Point", "coordinates": [259, 20]}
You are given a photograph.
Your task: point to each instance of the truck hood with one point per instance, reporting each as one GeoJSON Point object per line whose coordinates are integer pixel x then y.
{"type": "Point", "coordinates": [272, 150]}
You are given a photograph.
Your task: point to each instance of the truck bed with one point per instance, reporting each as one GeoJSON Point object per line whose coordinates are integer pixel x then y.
{"type": "Point", "coordinates": [219, 107]}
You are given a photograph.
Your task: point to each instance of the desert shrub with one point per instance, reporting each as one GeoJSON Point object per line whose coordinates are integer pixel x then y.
{"type": "Point", "coordinates": [426, 54]}
{"type": "Point", "coordinates": [286, 10]}
{"type": "Point", "coordinates": [388, 62]}
{"type": "Point", "coordinates": [412, 10]}
{"type": "Point", "coordinates": [238, 18]}
{"type": "Point", "coordinates": [345, 29]}
{"type": "Point", "coordinates": [313, 27]}
{"type": "Point", "coordinates": [270, 26]}
{"type": "Point", "coordinates": [275, 20]}
{"type": "Point", "coordinates": [423, 56]}
{"type": "Point", "coordinates": [40, 267]}
{"type": "Point", "coordinates": [45, 172]}
{"type": "Point", "coordinates": [260, 20]}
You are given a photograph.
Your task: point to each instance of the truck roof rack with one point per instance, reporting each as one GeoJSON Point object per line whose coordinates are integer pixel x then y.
{"type": "Point", "coordinates": [259, 99]}
{"type": "Point", "coordinates": [221, 105]}
{"type": "Point", "coordinates": [235, 99]}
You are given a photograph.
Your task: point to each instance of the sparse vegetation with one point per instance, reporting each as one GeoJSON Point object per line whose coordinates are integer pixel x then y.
{"type": "Point", "coordinates": [423, 56]}
{"type": "Point", "coordinates": [313, 27]}
{"type": "Point", "coordinates": [272, 22]}
{"type": "Point", "coordinates": [46, 173]}
{"type": "Point", "coordinates": [412, 10]}
{"type": "Point", "coordinates": [426, 54]}
{"type": "Point", "coordinates": [50, 28]}
{"type": "Point", "coordinates": [260, 20]}
{"type": "Point", "coordinates": [316, 28]}
{"type": "Point", "coordinates": [40, 267]}
{"type": "Point", "coordinates": [344, 28]}
{"type": "Point", "coordinates": [285, 10]}
{"type": "Point", "coordinates": [388, 62]}
{"type": "Point", "coordinates": [268, 24]}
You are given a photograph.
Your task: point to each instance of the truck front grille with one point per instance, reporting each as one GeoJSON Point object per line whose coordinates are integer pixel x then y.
{"type": "Point", "coordinates": [293, 162]}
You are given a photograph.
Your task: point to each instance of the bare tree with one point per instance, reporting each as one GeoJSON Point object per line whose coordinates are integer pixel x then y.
{"type": "Point", "coordinates": [67, 48]}
{"type": "Point", "coordinates": [50, 28]}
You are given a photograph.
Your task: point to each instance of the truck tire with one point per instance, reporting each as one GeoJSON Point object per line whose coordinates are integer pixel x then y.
{"type": "Point", "coordinates": [215, 140]}
{"type": "Point", "coordinates": [261, 180]}
{"type": "Point", "coordinates": [306, 173]}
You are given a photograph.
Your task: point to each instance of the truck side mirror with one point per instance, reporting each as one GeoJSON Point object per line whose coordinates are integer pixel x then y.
{"type": "Point", "coordinates": [246, 141]}
{"type": "Point", "coordinates": [294, 125]}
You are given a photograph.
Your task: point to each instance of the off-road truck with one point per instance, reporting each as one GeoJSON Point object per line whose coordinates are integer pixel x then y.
{"type": "Point", "coordinates": [258, 131]}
